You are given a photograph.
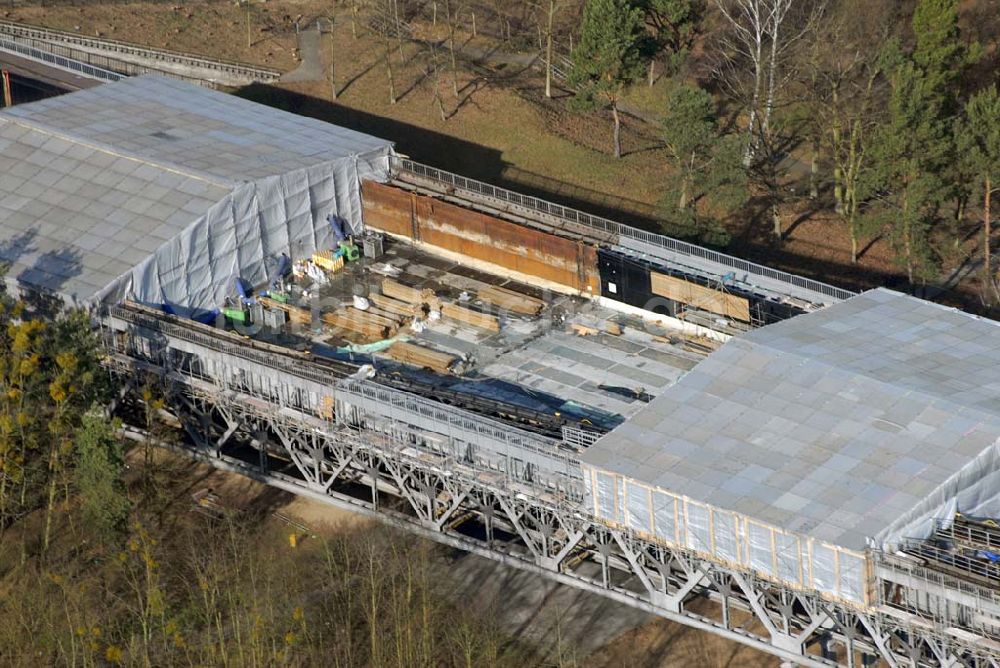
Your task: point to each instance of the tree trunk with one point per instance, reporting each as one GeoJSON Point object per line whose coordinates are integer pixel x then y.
{"type": "Point", "coordinates": [838, 190]}
{"type": "Point", "coordinates": [50, 504]}
{"type": "Point", "coordinates": [851, 209]}
{"type": "Point", "coordinates": [989, 285]}
{"type": "Point", "coordinates": [548, 50]}
{"type": "Point", "coordinates": [388, 71]}
{"type": "Point", "coordinates": [249, 38]}
{"type": "Point", "coordinates": [776, 219]}
{"type": "Point", "coordinates": [451, 45]}
{"type": "Point", "coordinates": [772, 66]}
{"type": "Point", "coordinates": [907, 242]}
{"type": "Point", "coordinates": [618, 129]}
{"type": "Point", "coordinates": [758, 75]}
{"type": "Point", "coordinates": [437, 88]}
{"type": "Point", "coordinates": [354, 18]}
{"type": "Point", "coordinates": [333, 60]}
{"type": "Point", "coordinates": [837, 154]}
{"type": "Point", "coordinates": [399, 30]}
{"type": "Point", "coordinates": [652, 72]}
{"type": "Point", "coordinates": [814, 170]}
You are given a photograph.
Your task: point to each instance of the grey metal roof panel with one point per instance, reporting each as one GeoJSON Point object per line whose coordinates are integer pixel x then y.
{"type": "Point", "coordinates": [168, 122]}
{"type": "Point", "coordinates": [65, 234]}
{"type": "Point", "coordinates": [846, 416]}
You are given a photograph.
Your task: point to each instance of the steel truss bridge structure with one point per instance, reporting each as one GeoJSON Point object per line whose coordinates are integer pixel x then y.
{"type": "Point", "coordinates": [255, 409]}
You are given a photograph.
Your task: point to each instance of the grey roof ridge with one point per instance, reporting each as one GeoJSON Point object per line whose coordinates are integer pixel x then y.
{"type": "Point", "coordinates": [110, 150]}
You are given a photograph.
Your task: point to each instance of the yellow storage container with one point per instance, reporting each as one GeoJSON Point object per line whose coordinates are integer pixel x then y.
{"type": "Point", "coordinates": [328, 260]}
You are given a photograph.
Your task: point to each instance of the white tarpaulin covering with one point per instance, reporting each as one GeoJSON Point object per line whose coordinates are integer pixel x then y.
{"type": "Point", "coordinates": [729, 537]}
{"type": "Point", "coordinates": [257, 221]}
{"type": "Point", "coordinates": [164, 192]}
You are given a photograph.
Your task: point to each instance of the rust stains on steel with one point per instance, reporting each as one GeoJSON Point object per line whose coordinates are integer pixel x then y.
{"type": "Point", "coordinates": [477, 235]}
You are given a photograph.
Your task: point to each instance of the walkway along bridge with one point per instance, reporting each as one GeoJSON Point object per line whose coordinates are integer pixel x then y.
{"type": "Point", "coordinates": [303, 425]}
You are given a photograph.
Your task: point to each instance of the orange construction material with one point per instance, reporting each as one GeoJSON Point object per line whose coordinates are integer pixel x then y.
{"type": "Point", "coordinates": [698, 296]}
{"type": "Point", "coordinates": [405, 293]}
{"type": "Point", "coordinates": [348, 321]}
{"type": "Point", "coordinates": [470, 317]}
{"type": "Point", "coordinates": [409, 353]}
{"type": "Point", "coordinates": [482, 237]}
{"type": "Point", "coordinates": [400, 308]}
{"type": "Point", "coordinates": [510, 300]}
{"type": "Point", "coordinates": [328, 261]}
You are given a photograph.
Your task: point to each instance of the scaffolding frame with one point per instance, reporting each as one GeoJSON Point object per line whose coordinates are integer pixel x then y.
{"type": "Point", "coordinates": [515, 520]}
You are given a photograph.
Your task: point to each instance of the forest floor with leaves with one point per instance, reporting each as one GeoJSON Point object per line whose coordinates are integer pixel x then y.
{"type": "Point", "coordinates": [558, 625]}
{"type": "Point", "coordinates": [232, 538]}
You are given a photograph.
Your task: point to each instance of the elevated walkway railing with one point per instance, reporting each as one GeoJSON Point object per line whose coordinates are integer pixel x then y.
{"type": "Point", "coordinates": [448, 417]}
{"type": "Point", "coordinates": [220, 345]}
{"type": "Point", "coordinates": [59, 37]}
{"type": "Point", "coordinates": [62, 61]}
{"type": "Point", "coordinates": [85, 63]}
{"type": "Point", "coordinates": [607, 226]}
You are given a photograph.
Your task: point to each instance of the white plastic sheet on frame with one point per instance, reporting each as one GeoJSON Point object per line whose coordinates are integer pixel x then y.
{"type": "Point", "coordinates": [698, 518]}
{"type": "Point", "coordinates": [784, 556]}
{"type": "Point", "coordinates": [664, 516]}
{"type": "Point", "coordinates": [258, 220]}
{"type": "Point", "coordinates": [637, 507]}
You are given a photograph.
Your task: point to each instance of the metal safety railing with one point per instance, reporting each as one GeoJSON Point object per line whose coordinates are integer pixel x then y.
{"type": "Point", "coordinates": [455, 418]}
{"type": "Point", "coordinates": [64, 62]}
{"type": "Point", "coordinates": [93, 65]}
{"type": "Point", "coordinates": [963, 560]}
{"type": "Point", "coordinates": [233, 68]}
{"type": "Point", "coordinates": [580, 438]}
{"type": "Point", "coordinates": [607, 226]}
{"type": "Point", "coordinates": [298, 368]}
{"type": "Point", "coordinates": [946, 590]}
{"type": "Point", "coordinates": [976, 535]}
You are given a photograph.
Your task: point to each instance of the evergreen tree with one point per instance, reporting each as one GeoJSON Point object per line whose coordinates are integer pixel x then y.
{"type": "Point", "coordinates": [100, 463]}
{"type": "Point", "coordinates": [910, 156]}
{"type": "Point", "coordinates": [939, 52]}
{"type": "Point", "coordinates": [608, 58]}
{"type": "Point", "coordinates": [707, 164]}
{"type": "Point", "coordinates": [674, 25]}
{"type": "Point", "coordinates": [980, 133]}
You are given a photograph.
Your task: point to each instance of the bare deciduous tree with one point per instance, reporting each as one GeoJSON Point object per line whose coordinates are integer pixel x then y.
{"type": "Point", "coordinates": [760, 35]}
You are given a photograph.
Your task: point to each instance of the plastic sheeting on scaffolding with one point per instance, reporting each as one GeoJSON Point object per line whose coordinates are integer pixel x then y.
{"type": "Point", "coordinates": [729, 537]}
{"type": "Point", "coordinates": [240, 235]}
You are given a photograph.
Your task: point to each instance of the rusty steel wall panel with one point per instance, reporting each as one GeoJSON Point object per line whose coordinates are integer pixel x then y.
{"type": "Point", "coordinates": [386, 208]}
{"type": "Point", "coordinates": [477, 235]}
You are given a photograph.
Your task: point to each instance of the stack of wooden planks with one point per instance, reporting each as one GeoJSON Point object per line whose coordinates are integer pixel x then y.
{"type": "Point", "coordinates": [396, 307]}
{"type": "Point", "coordinates": [511, 300]}
{"type": "Point", "coordinates": [470, 317]}
{"type": "Point", "coordinates": [409, 353]}
{"type": "Point", "coordinates": [367, 324]}
{"type": "Point", "coordinates": [296, 314]}
{"type": "Point", "coordinates": [405, 293]}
